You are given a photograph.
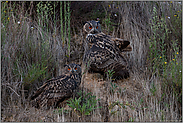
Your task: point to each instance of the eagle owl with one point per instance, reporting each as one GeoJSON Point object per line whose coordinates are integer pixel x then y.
{"type": "Point", "coordinates": [104, 52]}
{"type": "Point", "coordinates": [56, 90]}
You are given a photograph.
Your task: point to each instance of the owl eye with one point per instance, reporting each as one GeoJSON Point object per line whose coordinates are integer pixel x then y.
{"type": "Point", "coordinates": [75, 68]}
{"type": "Point", "coordinates": [97, 27]}
{"type": "Point", "coordinates": [69, 69]}
{"type": "Point", "coordinates": [90, 27]}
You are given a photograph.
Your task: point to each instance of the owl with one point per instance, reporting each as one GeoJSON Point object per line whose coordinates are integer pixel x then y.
{"type": "Point", "coordinates": [104, 52]}
{"type": "Point", "coordinates": [56, 90]}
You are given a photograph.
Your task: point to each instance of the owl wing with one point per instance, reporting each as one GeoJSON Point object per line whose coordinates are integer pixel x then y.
{"type": "Point", "coordinates": [107, 42]}
{"type": "Point", "coordinates": [103, 52]}
{"type": "Point", "coordinates": [43, 87]}
{"type": "Point", "coordinates": [101, 41]}
{"type": "Point", "coordinates": [54, 90]}
{"type": "Point", "coordinates": [122, 44]}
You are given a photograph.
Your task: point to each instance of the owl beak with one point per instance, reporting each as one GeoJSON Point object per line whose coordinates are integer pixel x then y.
{"type": "Point", "coordinates": [94, 31]}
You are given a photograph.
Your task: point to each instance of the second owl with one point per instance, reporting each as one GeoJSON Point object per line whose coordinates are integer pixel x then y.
{"type": "Point", "coordinates": [104, 52]}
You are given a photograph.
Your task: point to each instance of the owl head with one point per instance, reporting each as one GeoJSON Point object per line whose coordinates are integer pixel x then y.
{"type": "Point", "coordinates": [92, 27]}
{"type": "Point", "coordinates": [73, 68]}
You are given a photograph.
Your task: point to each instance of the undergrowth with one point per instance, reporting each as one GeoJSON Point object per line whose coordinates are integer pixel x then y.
{"type": "Point", "coordinates": [36, 40]}
{"type": "Point", "coordinates": [164, 56]}
{"type": "Point", "coordinates": [84, 105]}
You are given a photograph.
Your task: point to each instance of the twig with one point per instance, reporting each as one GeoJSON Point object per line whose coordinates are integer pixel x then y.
{"type": "Point", "coordinates": [11, 89]}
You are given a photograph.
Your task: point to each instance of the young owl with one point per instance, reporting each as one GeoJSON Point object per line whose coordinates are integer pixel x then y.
{"type": "Point", "coordinates": [105, 52]}
{"type": "Point", "coordinates": [56, 90]}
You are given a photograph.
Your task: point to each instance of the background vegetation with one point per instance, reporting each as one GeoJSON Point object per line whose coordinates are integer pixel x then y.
{"type": "Point", "coordinates": [38, 38]}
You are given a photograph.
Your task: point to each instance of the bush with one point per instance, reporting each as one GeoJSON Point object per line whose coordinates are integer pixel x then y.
{"type": "Point", "coordinates": [84, 105]}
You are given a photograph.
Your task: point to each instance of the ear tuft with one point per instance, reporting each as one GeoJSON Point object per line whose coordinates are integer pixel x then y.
{"type": "Point", "coordinates": [65, 65]}
{"type": "Point", "coordinates": [85, 22]}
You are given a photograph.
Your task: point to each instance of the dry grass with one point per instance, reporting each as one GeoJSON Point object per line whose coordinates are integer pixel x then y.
{"type": "Point", "coordinates": [137, 104]}
{"type": "Point", "coordinates": [30, 55]}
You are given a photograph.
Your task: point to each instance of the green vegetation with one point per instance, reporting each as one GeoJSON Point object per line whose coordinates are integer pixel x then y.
{"type": "Point", "coordinates": [25, 53]}
{"type": "Point", "coordinates": [84, 105]}
{"type": "Point", "coordinates": [113, 87]}
{"type": "Point", "coordinates": [164, 61]}
{"type": "Point", "coordinates": [37, 38]}
{"type": "Point", "coordinates": [45, 10]}
{"type": "Point", "coordinates": [109, 74]}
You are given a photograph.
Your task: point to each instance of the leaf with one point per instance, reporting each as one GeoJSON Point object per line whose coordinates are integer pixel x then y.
{"type": "Point", "coordinates": [87, 113]}
{"type": "Point", "coordinates": [83, 108]}
{"type": "Point", "coordinates": [71, 106]}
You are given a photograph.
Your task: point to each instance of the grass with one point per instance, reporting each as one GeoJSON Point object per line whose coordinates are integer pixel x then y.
{"type": "Point", "coordinates": [36, 43]}
{"type": "Point", "coordinates": [164, 60]}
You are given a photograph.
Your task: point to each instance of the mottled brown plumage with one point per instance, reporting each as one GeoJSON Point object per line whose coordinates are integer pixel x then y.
{"type": "Point", "coordinates": [105, 52]}
{"type": "Point", "coordinates": [56, 90]}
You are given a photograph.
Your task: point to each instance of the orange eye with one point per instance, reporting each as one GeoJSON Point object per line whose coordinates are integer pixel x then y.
{"type": "Point", "coordinates": [75, 68]}
{"type": "Point", "coordinates": [97, 27]}
{"type": "Point", "coordinates": [69, 69]}
{"type": "Point", "coordinates": [90, 27]}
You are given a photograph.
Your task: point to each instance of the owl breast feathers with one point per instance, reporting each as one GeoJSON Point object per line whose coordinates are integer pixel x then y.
{"type": "Point", "coordinates": [56, 90]}
{"type": "Point", "coordinates": [105, 52]}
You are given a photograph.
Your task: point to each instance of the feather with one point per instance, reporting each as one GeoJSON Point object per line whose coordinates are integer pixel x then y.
{"type": "Point", "coordinates": [57, 89]}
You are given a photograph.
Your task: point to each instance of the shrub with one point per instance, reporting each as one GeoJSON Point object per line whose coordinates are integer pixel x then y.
{"type": "Point", "coordinates": [84, 105]}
